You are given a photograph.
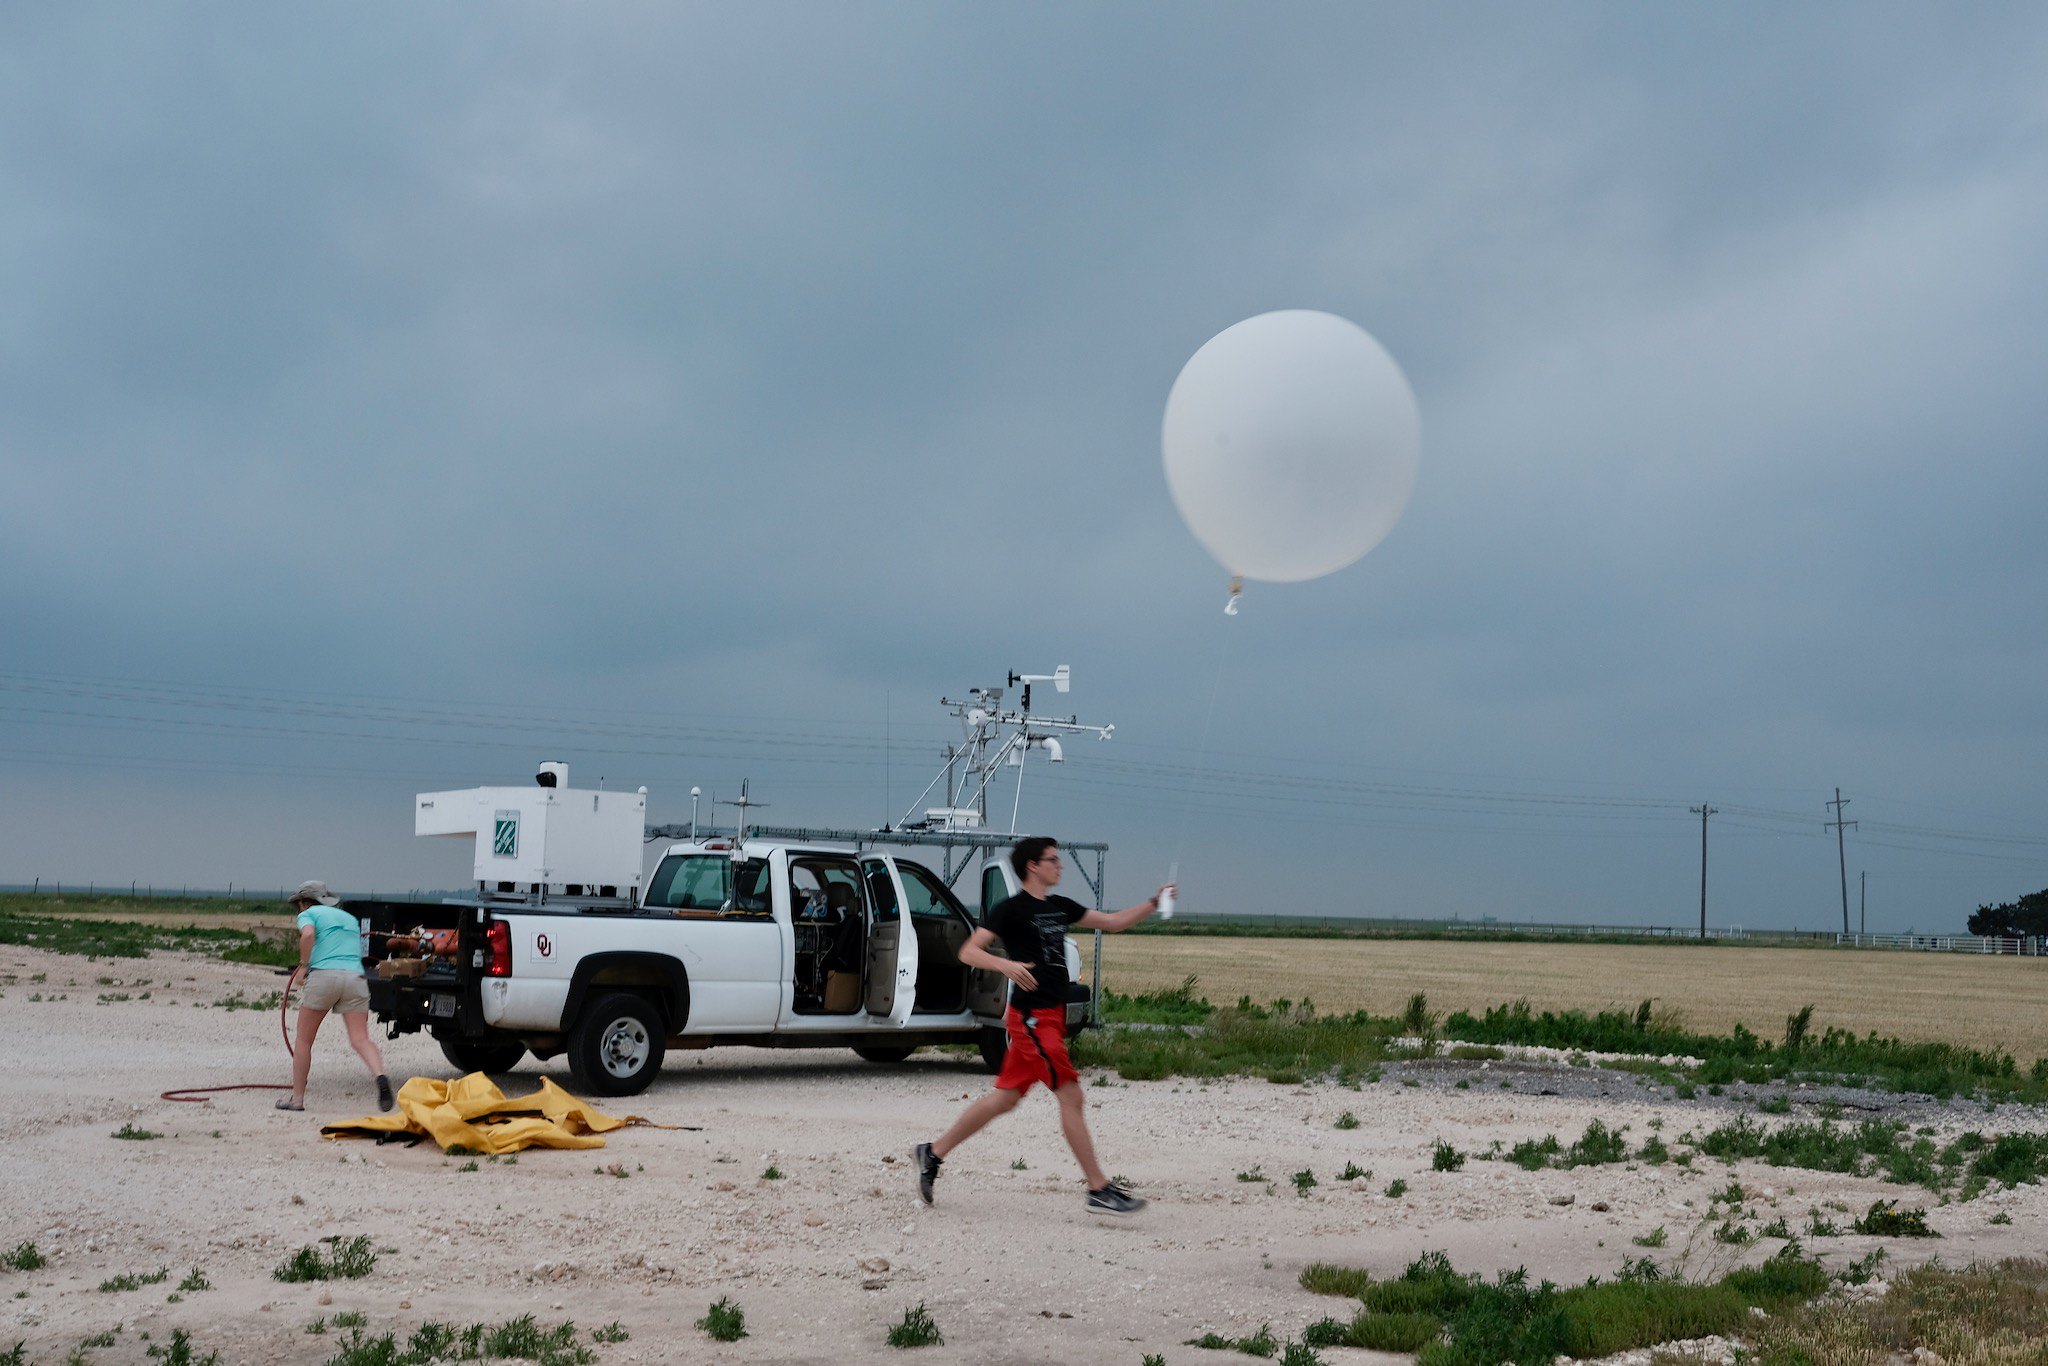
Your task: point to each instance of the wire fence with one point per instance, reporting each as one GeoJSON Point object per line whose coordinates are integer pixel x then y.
{"type": "Point", "coordinates": [233, 891]}
{"type": "Point", "coordinates": [2030, 946]}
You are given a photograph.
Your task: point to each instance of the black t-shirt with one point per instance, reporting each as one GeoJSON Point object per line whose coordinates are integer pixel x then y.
{"type": "Point", "coordinates": [1034, 931]}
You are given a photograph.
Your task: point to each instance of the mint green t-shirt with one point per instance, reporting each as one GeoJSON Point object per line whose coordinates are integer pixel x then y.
{"type": "Point", "coordinates": [337, 938]}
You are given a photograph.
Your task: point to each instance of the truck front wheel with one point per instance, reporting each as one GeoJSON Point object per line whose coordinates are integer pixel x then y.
{"type": "Point", "coordinates": [617, 1045]}
{"type": "Point", "coordinates": [995, 1043]}
{"type": "Point", "coordinates": [874, 1052]}
{"type": "Point", "coordinates": [481, 1055]}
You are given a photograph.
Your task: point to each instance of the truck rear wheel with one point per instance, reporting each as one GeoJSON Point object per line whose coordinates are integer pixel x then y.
{"type": "Point", "coordinates": [617, 1045]}
{"type": "Point", "coordinates": [481, 1055]}
{"type": "Point", "coordinates": [875, 1052]}
{"type": "Point", "coordinates": [995, 1045]}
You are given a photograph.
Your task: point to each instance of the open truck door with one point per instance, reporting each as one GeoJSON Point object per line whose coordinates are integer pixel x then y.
{"type": "Point", "coordinates": [892, 949]}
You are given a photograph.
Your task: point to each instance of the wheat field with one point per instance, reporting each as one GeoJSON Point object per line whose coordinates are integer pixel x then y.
{"type": "Point", "coordinates": [1985, 1002]}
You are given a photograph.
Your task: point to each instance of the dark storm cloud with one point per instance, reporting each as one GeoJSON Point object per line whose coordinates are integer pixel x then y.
{"type": "Point", "coordinates": [802, 362]}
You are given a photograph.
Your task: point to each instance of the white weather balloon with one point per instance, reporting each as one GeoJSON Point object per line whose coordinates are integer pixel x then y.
{"type": "Point", "coordinates": [1291, 442]}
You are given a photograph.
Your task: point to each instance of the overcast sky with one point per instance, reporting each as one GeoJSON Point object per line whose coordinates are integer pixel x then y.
{"type": "Point", "coordinates": [392, 398]}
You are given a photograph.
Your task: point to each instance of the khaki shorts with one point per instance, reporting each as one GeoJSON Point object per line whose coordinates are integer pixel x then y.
{"type": "Point", "coordinates": [335, 989]}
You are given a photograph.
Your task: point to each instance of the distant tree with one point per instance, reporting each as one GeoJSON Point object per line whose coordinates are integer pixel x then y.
{"type": "Point", "coordinates": [2027, 916]}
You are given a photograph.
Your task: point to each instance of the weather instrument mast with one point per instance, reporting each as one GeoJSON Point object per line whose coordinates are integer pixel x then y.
{"type": "Point", "coordinates": [994, 737]}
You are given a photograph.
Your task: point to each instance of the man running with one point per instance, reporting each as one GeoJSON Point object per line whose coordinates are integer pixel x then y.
{"type": "Point", "coordinates": [1032, 926]}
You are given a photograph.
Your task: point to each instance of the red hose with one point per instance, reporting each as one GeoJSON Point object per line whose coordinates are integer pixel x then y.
{"type": "Point", "coordinates": [197, 1095]}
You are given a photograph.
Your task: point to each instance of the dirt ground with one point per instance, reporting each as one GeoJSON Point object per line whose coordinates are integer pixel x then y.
{"type": "Point", "coordinates": [1985, 1002]}
{"type": "Point", "coordinates": [826, 1259]}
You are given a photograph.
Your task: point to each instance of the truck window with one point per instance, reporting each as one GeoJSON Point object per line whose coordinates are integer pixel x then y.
{"type": "Point", "coordinates": [994, 891]}
{"type": "Point", "coordinates": [927, 896]}
{"type": "Point", "coordinates": [706, 882]}
{"type": "Point", "coordinates": [881, 892]}
{"type": "Point", "coordinates": [824, 891]}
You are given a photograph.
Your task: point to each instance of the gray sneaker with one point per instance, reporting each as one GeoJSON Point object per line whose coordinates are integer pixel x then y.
{"type": "Point", "coordinates": [1114, 1199]}
{"type": "Point", "coordinates": [928, 1164]}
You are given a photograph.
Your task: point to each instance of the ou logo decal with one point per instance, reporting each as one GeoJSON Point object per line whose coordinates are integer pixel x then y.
{"type": "Point", "coordinates": [543, 946]}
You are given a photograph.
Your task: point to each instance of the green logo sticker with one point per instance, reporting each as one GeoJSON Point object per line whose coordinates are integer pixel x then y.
{"type": "Point", "coordinates": [505, 835]}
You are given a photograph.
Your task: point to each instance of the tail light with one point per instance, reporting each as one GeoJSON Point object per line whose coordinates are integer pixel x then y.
{"type": "Point", "coordinates": [498, 937]}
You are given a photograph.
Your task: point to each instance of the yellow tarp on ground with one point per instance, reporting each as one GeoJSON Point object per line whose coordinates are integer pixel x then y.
{"type": "Point", "coordinates": [471, 1112]}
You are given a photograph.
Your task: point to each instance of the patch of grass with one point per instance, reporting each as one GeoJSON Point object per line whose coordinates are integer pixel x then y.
{"type": "Point", "coordinates": [432, 1343]}
{"type": "Point", "coordinates": [236, 1001]}
{"type": "Point", "coordinates": [351, 1318]}
{"type": "Point", "coordinates": [1445, 1158]}
{"type": "Point", "coordinates": [1884, 1219]}
{"type": "Point", "coordinates": [1534, 1154]}
{"type": "Point", "coordinates": [724, 1321]}
{"type": "Point", "coordinates": [1304, 1181]}
{"type": "Point", "coordinates": [136, 1135]}
{"type": "Point", "coordinates": [24, 1257]}
{"type": "Point", "coordinates": [1656, 1237]}
{"type": "Point", "coordinates": [1775, 1105]}
{"type": "Point", "coordinates": [318, 1326]}
{"type": "Point", "coordinates": [1864, 1269]}
{"type": "Point", "coordinates": [1253, 1175]}
{"type": "Point", "coordinates": [1326, 1278]}
{"type": "Point", "coordinates": [611, 1332]}
{"type": "Point", "coordinates": [195, 1281]}
{"type": "Point", "coordinates": [1996, 1312]}
{"type": "Point", "coordinates": [916, 1330]}
{"type": "Point", "coordinates": [101, 1339]}
{"type": "Point", "coordinates": [1353, 1172]}
{"type": "Point", "coordinates": [1259, 1344]}
{"type": "Point", "coordinates": [1396, 1188]}
{"type": "Point", "coordinates": [1598, 1146]}
{"type": "Point", "coordinates": [1175, 1005]}
{"type": "Point", "coordinates": [134, 1281]}
{"type": "Point", "coordinates": [1281, 1045]}
{"type": "Point", "coordinates": [1452, 1319]}
{"type": "Point", "coordinates": [1019, 1166]}
{"type": "Point", "coordinates": [774, 1173]}
{"type": "Point", "coordinates": [2002, 1217]}
{"type": "Point", "coordinates": [45, 922]}
{"type": "Point", "coordinates": [1347, 1120]}
{"type": "Point", "coordinates": [1653, 1151]}
{"type": "Point", "coordinates": [468, 1166]}
{"type": "Point", "coordinates": [1818, 1225]}
{"type": "Point", "coordinates": [345, 1259]}
{"type": "Point", "coordinates": [178, 1352]}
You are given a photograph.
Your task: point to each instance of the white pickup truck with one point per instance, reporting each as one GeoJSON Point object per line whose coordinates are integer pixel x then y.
{"type": "Point", "coordinates": [767, 944]}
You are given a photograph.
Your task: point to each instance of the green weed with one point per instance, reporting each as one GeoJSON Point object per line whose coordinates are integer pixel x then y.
{"type": "Point", "coordinates": [1445, 1158]}
{"type": "Point", "coordinates": [724, 1321]}
{"type": "Point", "coordinates": [1885, 1219]}
{"type": "Point", "coordinates": [134, 1281]}
{"type": "Point", "coordinates": [24, 1257]}
{"type": "Point", "coordinates": [347, 1259]}
{"type": "Point", "coordinates": [1259, 1344]}
{"type": "Point", "coordinates": [916, 1330]}
{"type": "Point", "coordinates": [178, 1352]}
{"type": "Point", "coordinates": [133, 1134]}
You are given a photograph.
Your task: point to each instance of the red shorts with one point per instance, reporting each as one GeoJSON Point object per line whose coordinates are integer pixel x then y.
{"type": "Point", "coordinates": [1038, 1050]}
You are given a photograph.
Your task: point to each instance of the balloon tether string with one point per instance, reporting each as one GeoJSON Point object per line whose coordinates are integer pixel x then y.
{"type": "Point", "coordinates": [1180, 837]}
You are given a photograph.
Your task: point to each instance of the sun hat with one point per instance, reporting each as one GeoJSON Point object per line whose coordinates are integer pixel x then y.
{"type": "Point", "coordinates": [314, 891]}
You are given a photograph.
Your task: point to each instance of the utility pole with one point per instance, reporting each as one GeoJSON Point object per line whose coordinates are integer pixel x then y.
{"type": "Point", "coordinates": [1841, 856]}
{"type": "Point", "coordinates": [1863, 901]}
{"type": "Point", "coordinates": [1703, 811]}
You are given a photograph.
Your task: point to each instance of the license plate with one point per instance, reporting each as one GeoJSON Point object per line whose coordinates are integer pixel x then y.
{"type": "Point", "coordinates": [442, 1007]}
